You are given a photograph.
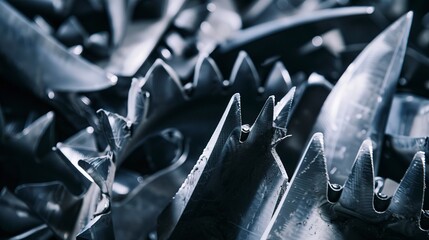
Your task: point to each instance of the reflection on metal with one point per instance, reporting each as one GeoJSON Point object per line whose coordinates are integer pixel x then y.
{"type": "Point", "coordinates": [357, 105]}
{"type": "Point", "coordinates": [88, 155]}
{"type": "Point", "coordinates": [306, 210]}
{"type": "Point", "coordinates": [233, 188]}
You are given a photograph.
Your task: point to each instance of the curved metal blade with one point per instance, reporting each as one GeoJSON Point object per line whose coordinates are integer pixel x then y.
{"type": "Point", "coordinates": [41, 62]}
{"type": "Point", "coordinates": [355, 108]}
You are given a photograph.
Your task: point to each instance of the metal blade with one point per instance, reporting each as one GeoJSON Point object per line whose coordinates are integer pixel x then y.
{"type": "Point", "coordinates": [355, 109]}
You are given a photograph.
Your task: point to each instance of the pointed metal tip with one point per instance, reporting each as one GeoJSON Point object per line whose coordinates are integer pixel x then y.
{"type": "Point", "coordinates": [160, 66]}
{"type": "Point", "coordinates": [358, 191]}
{"type": "Point", "coordinates": [207, 76]}
{"type": "Point", "coordinates": [235, 98]}
{"type": "Point", "coordinates": [265, 118]}
{"type": "Point", "coordinates": [278, 80]}
{"type": "Point", "coordinates": [317, 139]}
{"type": "Point", "coordinates": [244, 70]}
{"type": "Point", "coordinates": [283, 108]}
{"type": "Point", "coordinates": [402, 26]}
{"type": "Point", "coordinates": [408, 199]}
{"type": "Point", "coordinates": [366, 148]}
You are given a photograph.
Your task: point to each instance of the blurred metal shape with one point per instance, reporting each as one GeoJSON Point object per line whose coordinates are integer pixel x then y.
{"type": "Point", "coordinates": [139, 41]}
{"type": "Point", "coordinates": [48, 7]}
{"type": "Point", "coordinates": [261, 41]}
{"type": "Point", "coordinates": [407, 127]}
{"type": "Point", "coordinates": [234, 187]}
{"type": "Point", "coordinates": [30, 151]}
{"type": "Point", "coordinates": [355, 109]}
{"type": "Point", "coordinates": [141, 198]}
{"type": "Point", "coordinates": [68, 214]}
{"type": "Point", "coordinates": [314, 208]}
{"type": "Point", "coordinates": [42, 63]}
{"type": "Point", "coordinates": [15, 217]}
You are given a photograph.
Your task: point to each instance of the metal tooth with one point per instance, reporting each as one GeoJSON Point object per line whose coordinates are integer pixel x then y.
{"type": "Point", "coordinates": [102, 170]}
{"type": "Point", "coordinates": [38, 136]}
{"type": "Point", "coordinates": [278, 78]}
{"type": "Point", "coordinates": [237, 192]}
{"type": "Point", "coordinates": [162, 81]}
{"type": "Point", "coordinates": [282, 110]}
{"type": "Point", "coordinates": [230, 120]}
{"type": "Point", "coordinates": [407, 202]}
{"type": "Point", "coordinates": [358, 192]}
{"type": "Point", "coordinates": [356, 107]}
{"type": "Point", "coordinates": [302, 117]}
{"type": "Point", "coordinates": [244, 75]}
{"type": "Point", "coordinates": [207, 77]}
{"type": "Point", "coordinates": [32, 53]}
{"type": "Point", "coordinates": [306, 193]}
{"type": "Point", "coordinates": [138, 103]}
{"type": "Point", "coordinates": [116, 129]}
{"type": "Point", "coordinates": [264, 122]}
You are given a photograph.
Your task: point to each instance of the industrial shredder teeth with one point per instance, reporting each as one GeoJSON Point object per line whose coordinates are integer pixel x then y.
{"type": "Point", "coordinates": [307, 212]}
{"type": "Point", "coordinates": [85, 154]}
{"type": "Point", "coordinates": [166, 95]}
{"type": "Point", "coordinates": [234, 187]}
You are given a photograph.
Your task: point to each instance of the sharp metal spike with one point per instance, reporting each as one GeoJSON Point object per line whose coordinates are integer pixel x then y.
{"type": "Point", "coordinates": [116, 129]}
{"type": "Point", "coordinates": [82, 140]}
{"type": "Point", "coordinates": [207, 78]}
{"type": "Point", "coordinates": [102, 171]}
{"type": "Point", "coordinates": [243, 180]}
{"type": "Point", "coordinates": [306, 193]}
{"type": "Point", "coordinates": [278, 79]}
{"type": "Point", "coordinates": [161, 81]}
{"type": "Point", "coordinates": [37, 56]}
{"type": "Point", "coordinates": [230, 121]}
{"type": "Point", "coordinates": [244, 75]}
{"type": "Point", "coordinates": [358, 192]}
{"type": "Point", "coordinates": [356, 107]}
{"type": "Point", "coordinates": [38, 136]}
{"type": "Point", "coordinates": [283, 108]}
{"type": "Point", "coordinates": [407, 202]}
{"type": "Point", "coordinates": [264, 122]}
{"type": "Point", "coordinates": [138, 103]}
